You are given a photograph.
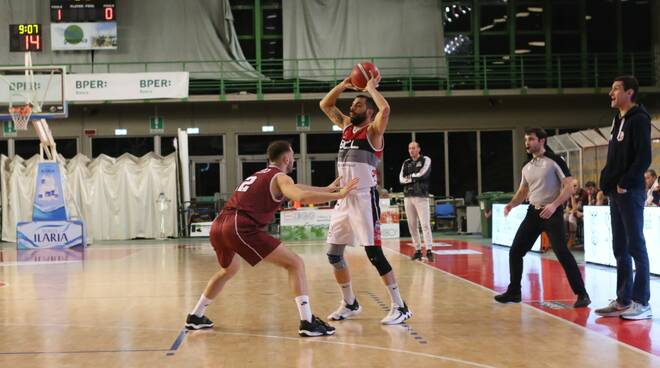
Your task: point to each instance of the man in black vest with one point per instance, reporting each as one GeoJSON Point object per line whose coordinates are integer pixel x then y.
{"type": "Point", "coordinates": [415, 176]}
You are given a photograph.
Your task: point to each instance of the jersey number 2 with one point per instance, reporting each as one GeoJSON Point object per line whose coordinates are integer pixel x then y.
{"type": "Point", "coordinates": [245, 185]}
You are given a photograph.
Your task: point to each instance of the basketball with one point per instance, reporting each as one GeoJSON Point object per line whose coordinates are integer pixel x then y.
{"type": "Point", "coordinates": [361, 73]}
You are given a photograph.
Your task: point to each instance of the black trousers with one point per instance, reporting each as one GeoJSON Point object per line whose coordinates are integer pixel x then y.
{"type": "Point", "coordinates": [529, 230]}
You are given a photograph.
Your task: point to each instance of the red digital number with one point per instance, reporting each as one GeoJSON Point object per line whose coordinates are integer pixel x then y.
{"type": "Point", "coordinates": [109, 13]}
{"type": "Point", "coordinates": [32, 42]}
{"type": "Point", "coordinates": [59, 15]}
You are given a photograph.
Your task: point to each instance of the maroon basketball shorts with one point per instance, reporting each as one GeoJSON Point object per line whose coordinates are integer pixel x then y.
{"type": "Point", "coordinates": [235, 233]}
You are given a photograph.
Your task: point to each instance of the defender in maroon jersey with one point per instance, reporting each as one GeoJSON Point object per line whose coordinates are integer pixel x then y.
{"type": "Point", "coordinates": [241, 228]}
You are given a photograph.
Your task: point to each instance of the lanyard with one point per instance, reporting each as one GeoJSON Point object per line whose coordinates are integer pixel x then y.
{"type": "Point", "coordinates": [620, 134]}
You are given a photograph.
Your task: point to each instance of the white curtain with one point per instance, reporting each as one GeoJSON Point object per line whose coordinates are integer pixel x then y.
{"type": "Point", "coordinates": [322, 30]}
{"type": "Point", "coordinates": [118, 198]}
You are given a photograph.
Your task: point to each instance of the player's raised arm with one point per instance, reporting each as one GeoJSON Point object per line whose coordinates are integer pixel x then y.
{"type": "Point", "coordinates": [382, 117]}
{"type": "Point", "coordinates": [329, 104]}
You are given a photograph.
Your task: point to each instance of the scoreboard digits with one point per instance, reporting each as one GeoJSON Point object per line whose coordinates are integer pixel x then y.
{"type": "Point", "coordinates": [65, 11]}
{"type": "Point", "coordinates": [25, 37]}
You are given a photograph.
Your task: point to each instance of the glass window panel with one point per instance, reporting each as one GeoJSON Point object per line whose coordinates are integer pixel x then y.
{"type": "Point", "coordinates": [257, 144]}
{"type": "Point", "coordinates": [496, 161]}
{"type": "Point", "coordinates": [4, 147]}
{"type": "Point", "coordinates": [637, 26]}
{"type": "Point", "coordinates": [323, 143]}
{"type": "Point", "coordinates": [396, 151]}
{"type": "Point", "coordinates": [204, 145]}
{"type": "Point", "coordinates": [601, 18]}
{"type": "Point", "coordinates": [27, 148]}
{"type": "Point", "coordinates": [166, 145]}
{"type": "Point", "coordinates": [207, 178]}
{"type": "Point", "coordinates": [323, 172]}
{"type": "Point", "coordinates": [243, 21]}
{"type": "Point", "coordinates": [565, 16]}
{"type": "Point", "coordinates": [115, 147]}
{"type": "Point", "coordinates": [462, 163]}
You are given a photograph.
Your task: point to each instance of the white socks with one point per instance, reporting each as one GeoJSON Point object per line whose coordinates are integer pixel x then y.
{"type": "Point", "coordinates": [347, 292]}
{"type": "Point", "coordinates": [395, 295]}
{"type": "Point", "coordinates": [200, 308]}
{"type": "Point", "coordinates": [304, 309]}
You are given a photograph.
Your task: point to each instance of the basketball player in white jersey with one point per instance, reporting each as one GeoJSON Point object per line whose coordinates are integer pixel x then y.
{"type": "Point", "coordinates": [356, 217]}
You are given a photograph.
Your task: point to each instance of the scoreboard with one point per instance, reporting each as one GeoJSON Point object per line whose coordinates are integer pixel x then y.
{"type": "Point", "coordinates": [25, 37]}
{"type": "Point", "coordinates": [73, 11]}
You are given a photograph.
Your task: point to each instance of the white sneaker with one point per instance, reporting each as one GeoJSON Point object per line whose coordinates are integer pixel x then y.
{"type": "Point", "coordinates": [397, 315]}
{"type": "Point", "coordinates": [637, 311]}
{"type": "Point", "coordinates": [345, 311]}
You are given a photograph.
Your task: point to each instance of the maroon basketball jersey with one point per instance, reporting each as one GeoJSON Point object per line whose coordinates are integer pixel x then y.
{"type": "Point", "coordinates": [254, 198]}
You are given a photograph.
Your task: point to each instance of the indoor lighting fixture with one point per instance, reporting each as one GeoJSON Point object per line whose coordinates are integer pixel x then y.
{"type": "Point", "coordinates": [121, 131]}
{"type": "Point", "coordinates": [335, 128]}
{"type": "Point", "coordinates": [485, 28]}
{"type": "Point", "coordinates": [535, 9]}
{"type": "Point", "coordinates": [192, 130]}
{"type": "Point", "coordinates": [267, 128]}
{"type": "Point", "coordinates": [537, 43]}
{"type": "Point", "coordinates": [523, 51]}
{"type": "Point", "coordinates": [522, 14]}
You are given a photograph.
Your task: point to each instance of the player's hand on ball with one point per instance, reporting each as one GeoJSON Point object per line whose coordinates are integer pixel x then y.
{"type": "Point", "coordinates": [346, 83]}
{"type": "Point", "coordinates": [373, 82]}
{"type": "Point", "coordinates": [349, 187]}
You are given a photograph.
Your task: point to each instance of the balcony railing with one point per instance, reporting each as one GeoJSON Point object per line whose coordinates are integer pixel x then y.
{"type": "Point", "coordinates": [406, 74]}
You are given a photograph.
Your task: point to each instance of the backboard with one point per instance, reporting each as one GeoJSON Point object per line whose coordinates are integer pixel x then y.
{"type": "Point", "coordinates": [43, 87]}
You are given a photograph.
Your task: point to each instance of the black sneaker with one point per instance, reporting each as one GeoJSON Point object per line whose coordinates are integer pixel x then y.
{"type": "Point", "coordinates": [429, 255]}
{"type": "Point", "coordinates": [315, 328]}
{"type": "Point", "coordinates": [582, 301]}
{"type": "Point", "coordinates": [198, 323]}
{"type": "Point", "coordinates": [417, 255]}
{"type": "Point", "coordinates": [508, 297]}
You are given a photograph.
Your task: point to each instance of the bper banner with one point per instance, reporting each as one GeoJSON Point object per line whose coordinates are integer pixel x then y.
{"type": "Point", "coordinates": [126, 86]}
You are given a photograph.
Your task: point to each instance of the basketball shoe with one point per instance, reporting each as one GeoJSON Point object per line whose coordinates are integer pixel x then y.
{"type": "Point", "coordinates": [198, 323]}
{"type": "Point", "coordinates": [315, 328]}
{"type": "Point", "coordinates": [345, 311]}
{"type": "Point", "coordinates": [397, 315]}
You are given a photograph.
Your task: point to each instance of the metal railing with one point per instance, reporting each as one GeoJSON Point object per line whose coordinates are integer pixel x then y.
{"type": "Point", "coordinates": [407, 74]}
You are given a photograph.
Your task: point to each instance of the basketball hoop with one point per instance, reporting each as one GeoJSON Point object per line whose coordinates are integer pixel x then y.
{"type": "Point", "coordinates": [20, 115]}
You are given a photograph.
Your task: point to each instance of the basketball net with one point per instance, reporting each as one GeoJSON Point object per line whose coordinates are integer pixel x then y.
{"type": "Point", "coordinates": [20, 114]}
{"type": "Point", "coordinates": [22, 111]}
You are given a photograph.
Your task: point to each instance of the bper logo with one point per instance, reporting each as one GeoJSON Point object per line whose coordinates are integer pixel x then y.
{"type": "Point", "coordinates": [155, 83]}
{"type": "Point", "coordinates": [91, 84]}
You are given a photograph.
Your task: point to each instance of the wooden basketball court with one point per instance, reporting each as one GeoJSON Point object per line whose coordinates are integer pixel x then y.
{"type": "Point", "coordinates": [124, 305]}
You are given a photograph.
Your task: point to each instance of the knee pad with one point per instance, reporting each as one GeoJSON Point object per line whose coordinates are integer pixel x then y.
{"type": "Point", "coordinates": [336, 256]}
{"type": "Point", "coordinates": [377, 258]}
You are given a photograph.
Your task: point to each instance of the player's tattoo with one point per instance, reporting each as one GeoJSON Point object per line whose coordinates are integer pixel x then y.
{"type": "Point", "coordinates": [336, 115]}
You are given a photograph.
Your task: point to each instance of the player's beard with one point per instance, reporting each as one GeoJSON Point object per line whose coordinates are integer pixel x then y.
{"type": "Point", "coordinates": [289, 167]}
{"type": "Point", "coordinates": [358, 119]}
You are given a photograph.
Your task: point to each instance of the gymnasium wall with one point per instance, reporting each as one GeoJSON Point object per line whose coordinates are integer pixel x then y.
{"type": "Point", "coordinates": [408, 114]}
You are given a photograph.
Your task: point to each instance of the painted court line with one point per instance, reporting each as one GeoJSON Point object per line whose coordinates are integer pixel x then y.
{"type": "Point", "coordinates": [177, 342]}
{"type": "Point", "coordinates": [525, 305]}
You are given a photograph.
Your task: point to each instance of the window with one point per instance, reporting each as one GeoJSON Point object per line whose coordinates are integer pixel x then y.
{"type": "Point", "coordinates": [323, 143]}
{"type": "Point", "coordinates": [27, 148]}
{"type": "Point", "coordinates": [115, 147]}
{"type": "Point", "coordinates": [272, 21]}
{"type": "Point", "coordinates": [565, 16]}
{"type": "Point", "coordinates": [433, 146]}
{"type": "Point", "coordinates": [462, 163]}
{"type": "Point", "coordinates": [637, 26]}
{"type": "Point", "coordinates": [496, 161]}
{"type": "Point", "coordinates": [529, 17]}
{"type": "Point", "coordinates": [395, 152]}
{"type": "Point", "coordinates": [166, 145]}
{"type": "Point", "coordinates": [601, 20]}
{"type": "Point", "coordinates": [257, 144]}
{"type": "Point", "coordinates": [243, 21]}
{"type": "Point", "coordinates": [4, 147]}
{"type": "Point", "coordinates": [207, 178]}
{"type": "Point", "coordinates": [457, 16]}
{"type": "Point", "coordinates": [204, 145]}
